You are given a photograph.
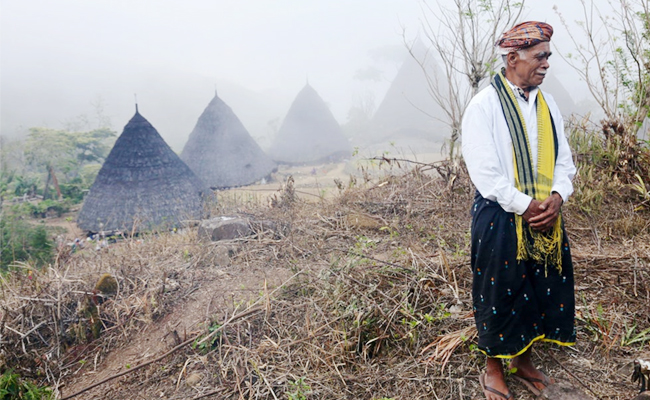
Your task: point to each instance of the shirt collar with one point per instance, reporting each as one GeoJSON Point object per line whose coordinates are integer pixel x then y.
{"type": "Point", "coordinates": [520, 92]}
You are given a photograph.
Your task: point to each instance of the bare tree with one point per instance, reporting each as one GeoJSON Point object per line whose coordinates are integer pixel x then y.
{"type": "Point", "coordinates": [614, 60]}
{"type": "Point", "coordinates": [460, 40]}
{"type": "Point", "coordinates": [612, 55]}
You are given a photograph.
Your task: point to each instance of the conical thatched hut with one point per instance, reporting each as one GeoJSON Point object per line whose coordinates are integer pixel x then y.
{"type": "Point", "coordinates": [560, 94]}
{"type": "Point", "coordinates": [142, 185]}
{"type": "Point", "coordinates": [408, 111]}
{"type": "Point", "coordinates": [221, 152]}
{"type": "Point", "coordinates": [309, 133]}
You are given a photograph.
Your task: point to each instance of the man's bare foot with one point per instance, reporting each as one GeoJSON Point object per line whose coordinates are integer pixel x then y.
{"type": "Point", "coordinates": [523, 367]}
{"type": "Point", "coordinates": [493, 381]}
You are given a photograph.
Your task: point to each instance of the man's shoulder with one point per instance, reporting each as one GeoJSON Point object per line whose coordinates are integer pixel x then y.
{"type": "Point", "coordinates": [485, 96]}
{"type": "Point", "coordinates": [552, 105]}
{"type": "Point", "coordinates": [550, 100]}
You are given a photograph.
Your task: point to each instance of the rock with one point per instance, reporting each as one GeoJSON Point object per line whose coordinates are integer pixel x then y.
{"type": "Point", "coordinates": [456, 309]}
{"type": "Point", "coordinates": [264, 226]}
{"type": "Point", "coordinates": [563, 391]}
{"type": "Point", "coordinates": [362, 221]}
{"type": "Point", "coordinates": [222, 256]}
{"type": "Point", "coordinates": [233, 227]}
{"type": "Point", "coordinates": [224, 228]}
{"type": "Point", "coordinates": [194, 378]}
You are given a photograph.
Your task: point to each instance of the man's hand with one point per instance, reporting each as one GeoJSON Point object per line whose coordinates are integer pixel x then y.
{"type": "Point", "coordinates": [541, 216]}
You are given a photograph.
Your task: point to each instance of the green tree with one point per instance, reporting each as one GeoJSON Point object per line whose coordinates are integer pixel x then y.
{"type": "Point", "coordinates": [67, 151]}
{"type": "Point", "coordinates": [68, 155]}
{"type": "Point", "coordinates": [25, 185]}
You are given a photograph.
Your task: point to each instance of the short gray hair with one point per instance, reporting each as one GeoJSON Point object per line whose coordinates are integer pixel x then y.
{"type": "Point", "coordinates": [522, 54]}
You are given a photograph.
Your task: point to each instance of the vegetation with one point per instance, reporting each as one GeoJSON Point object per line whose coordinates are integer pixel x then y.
{"type": "Point", "coordinates": [72, 158]}
{"type": "Point", "coordinates": [374, 299]}
{"type": "Point", "coordinates": [615, 64]}
{"type": "Point", "coordinates": [13, 387]}
{"type": "Point", "coordinates": [368, 295]}
{"type": "Point", "coordinates": [69, 160]}
{"type": "Point", "coordinates": [73, 155]}
{"type": "Point", "coordinates": [23, 241]}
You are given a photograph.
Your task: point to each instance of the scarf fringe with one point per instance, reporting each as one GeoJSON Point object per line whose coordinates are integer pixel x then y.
{"type": "Point", "coordinates": [544, 248]}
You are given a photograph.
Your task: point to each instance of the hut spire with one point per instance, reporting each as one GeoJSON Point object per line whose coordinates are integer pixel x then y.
{"type": "Point", "coordinates": [135, 96]}
{"type": "Point", "coordinates": [309, 133]}
{"type": "Point", "coordinates": [222, 152]}
{"type": "Point", "coordinates": [142, 185]}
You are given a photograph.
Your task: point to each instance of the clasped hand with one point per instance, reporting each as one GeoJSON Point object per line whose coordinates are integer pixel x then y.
{"type": "Point", "coordinates": [541, 215]}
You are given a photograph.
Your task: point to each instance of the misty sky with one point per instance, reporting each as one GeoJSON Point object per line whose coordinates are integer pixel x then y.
{"type": "Point", "coordinates": [59, 59]}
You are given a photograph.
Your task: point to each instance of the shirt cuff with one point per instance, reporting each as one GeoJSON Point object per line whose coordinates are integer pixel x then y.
{"type": "Point", "coordinates": [521, 202]}
{"type": "Point", "coordinates": [562, 192]}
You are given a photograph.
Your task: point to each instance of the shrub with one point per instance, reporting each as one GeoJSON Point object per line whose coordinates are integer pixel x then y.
{"type": "Point", "coordinates": [41, 209]}
{"type": "Point", "coordinates": [12, 386]}
{"type": "Point", "coordinates": [22, 241]}
{"type": "Point", "coordinates": [610, 162]}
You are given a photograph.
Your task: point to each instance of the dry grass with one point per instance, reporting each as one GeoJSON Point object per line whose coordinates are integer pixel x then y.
{"type": "Point", "coordinates": [379, 305]}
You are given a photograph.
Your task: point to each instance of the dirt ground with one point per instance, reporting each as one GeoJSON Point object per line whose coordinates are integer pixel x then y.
{"type": "Point", "coordinates": [218, 289]}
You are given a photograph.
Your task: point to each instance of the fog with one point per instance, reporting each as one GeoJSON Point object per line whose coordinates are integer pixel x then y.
{"type": "Point", "coordinates": [64, 59]}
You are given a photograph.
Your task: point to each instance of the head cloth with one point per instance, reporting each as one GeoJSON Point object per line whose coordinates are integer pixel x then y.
{"type": "Point", "coordinates": [523, 35]}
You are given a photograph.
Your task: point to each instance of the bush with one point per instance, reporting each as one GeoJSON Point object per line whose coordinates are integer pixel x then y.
{"type": "Point", "coordinates": [12, 386]}
{"type": "Point", "coordinates": [45, 207]}
{"type": "Point", "coordinates": [611, 162]}
{"type": "Point", "coordinates": [73, 191]}
{"type": "Point", "coordinates": [22, 241]}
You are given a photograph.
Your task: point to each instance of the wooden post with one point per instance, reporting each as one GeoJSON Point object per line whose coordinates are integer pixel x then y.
{"type": "Point", "coordinates": [47, 184]}
{"type": "Point", "coordinates": [55, 182]}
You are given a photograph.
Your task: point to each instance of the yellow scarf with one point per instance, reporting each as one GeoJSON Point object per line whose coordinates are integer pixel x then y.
{"type": "Point", "coordinates": [542, 247]}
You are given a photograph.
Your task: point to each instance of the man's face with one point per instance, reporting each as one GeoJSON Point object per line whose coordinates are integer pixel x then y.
{"type": "Point", "coordinates": [531, 64]}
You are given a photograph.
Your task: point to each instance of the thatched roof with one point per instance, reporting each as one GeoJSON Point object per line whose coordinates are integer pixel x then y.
{"type": "Point", "coordinates": [221, 151]}
{"type": "Point", "coordinates": [408, 110]}
{"type": "Point", "coordinates": [560, 94]}
{"type": "Point", "coordinates": [309, 133]}
{"type": "Point", "coordinates": [143, 184]}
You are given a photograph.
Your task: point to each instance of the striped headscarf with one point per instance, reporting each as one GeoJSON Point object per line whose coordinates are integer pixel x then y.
{"type": "Point", "coordinates": [524, 35]}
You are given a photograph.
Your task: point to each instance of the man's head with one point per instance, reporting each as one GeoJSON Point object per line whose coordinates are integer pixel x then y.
{"type": "Point", "coordinates": [525, 49]}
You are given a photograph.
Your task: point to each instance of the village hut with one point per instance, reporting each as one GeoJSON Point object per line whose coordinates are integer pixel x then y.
{"type": "Point", "coordinates": [560, 94]}
{"type": "Point", "coordinates": [143, 185]}
{"type": "Point", "coordinates": [309, 133]}
{"type": "Point", "coordinates": [408, 112]}
{"type": "Point", "coordinates": [222, 153]}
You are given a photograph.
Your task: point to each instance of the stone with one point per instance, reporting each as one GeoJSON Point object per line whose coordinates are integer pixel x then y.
{"type": "Point", "coordinates": [222, 256]}
{"type": "Point", "coordinates": [363, 221]}
{"type": "Point", "coordinates": [563, 391]}
{"type": "Point", "coordinates": [234, 227]}
{"type": "Point", "coordinates": [194, 378]}
{"type": "Point", "coordinates": [224, 228]}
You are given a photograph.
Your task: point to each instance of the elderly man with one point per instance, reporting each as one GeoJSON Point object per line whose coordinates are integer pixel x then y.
{"type": "Point", "coordinates": [520, 162]}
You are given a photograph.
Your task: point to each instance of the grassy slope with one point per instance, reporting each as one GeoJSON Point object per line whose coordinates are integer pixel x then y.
{"type": "Point", "coordinates": [378, 304]}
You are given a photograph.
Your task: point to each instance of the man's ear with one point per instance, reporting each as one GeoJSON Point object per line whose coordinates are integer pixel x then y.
{"type": "Point", "coordinates": [512, 58]}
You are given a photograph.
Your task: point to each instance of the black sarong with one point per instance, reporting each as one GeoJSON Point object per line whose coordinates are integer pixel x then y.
{"type": "Point", "coordinates": [516, 302]}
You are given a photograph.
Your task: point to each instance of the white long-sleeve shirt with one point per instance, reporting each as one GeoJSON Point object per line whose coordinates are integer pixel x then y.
{"type": "Point", "coordinates": [488, 153]}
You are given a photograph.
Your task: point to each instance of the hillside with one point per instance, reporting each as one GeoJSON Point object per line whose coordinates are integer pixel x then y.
{"type": "Point", "coordinates": [362, 292]}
